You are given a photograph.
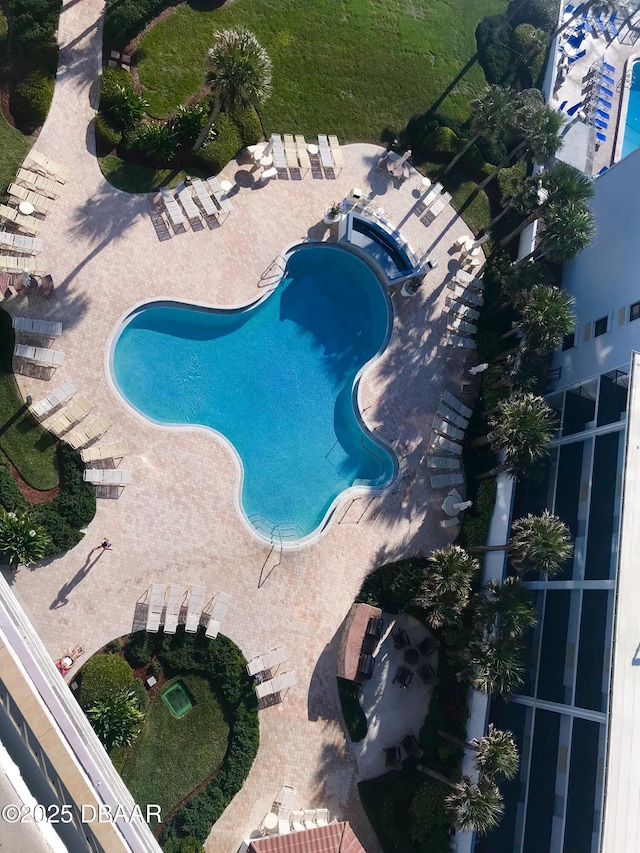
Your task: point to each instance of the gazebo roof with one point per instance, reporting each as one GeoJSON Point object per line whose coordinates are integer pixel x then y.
{"type": "Point", "coordinates": [352, 638]}
{"type": "Point", "coordinates": [334, 838]}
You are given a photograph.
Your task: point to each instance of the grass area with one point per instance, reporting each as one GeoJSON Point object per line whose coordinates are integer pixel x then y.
{"type": "Point", "coordinates": [13, 144]}
{"type": "Point", "coordinates": [349, 67]}
{"type": "Point", "coordinates": [173, 756]}
{"type": "Point", "coordinates": [477, 214]}
{"type": "Point", "coordinates": [29, 447]}
{"type": "Point", "coordinates": [134, 178]}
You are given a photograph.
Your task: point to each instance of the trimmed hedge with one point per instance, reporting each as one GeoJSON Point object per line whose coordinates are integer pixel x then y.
{"type": "Point", "coordinates": [477, 518]}
{"type": "Point", "coordinates": [34, 22]}
{"type": "Point", "coordinates": [214, 155]}
{"type": "Point", "coordinates": [394, 586]}
{"type": "Point", "coordinates": [102, 676]}
{"type": "Point", "coordinates": [492, 37]}
{"type": "Point", "coordinates": [11, 497]}
{"type": "Point", "coordinates": [31, 99]}
{"type": "Point", "coordinates": [248, 125]}
{"type": "Point", "coordinates": [183, 845]}
{"type": "Point", "coordinates": [107, 137]}
{"type": "Point", "coordinates": [354, 717]}
{"type": "Point", "coordinates": [124, 19]}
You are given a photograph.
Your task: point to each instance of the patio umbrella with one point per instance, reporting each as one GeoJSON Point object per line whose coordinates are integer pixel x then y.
{"type": "Point", "coordinates": [404, 157]}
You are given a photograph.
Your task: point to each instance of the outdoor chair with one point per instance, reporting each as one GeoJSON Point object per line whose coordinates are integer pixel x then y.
{"type": "Point", "coordinates": [447, 429]}
{"type": "Point", "coordinates": [456, 405]}
{"type": "Point", "coordinates": [188, 205]}
{"type": "Point", "coordinates": [39, 355]}
{"type": "Point", "coordinates": [46, 287]}
{"type": "Point", "coordinates": [462, 327]}
{"type": "Point", "coordinates": [449, 415]}
{"type": "Point", "coordinates": [156, 606]}
{"type": "Point", "coordinates": [412, 747]}
{"type": "Point", "coordinates": [446, 462]}
{"type": "Point", "coordinates": [176, 217]}
{"type": "Point", "coordinates": [39, 163]}
{"type": "Point", "coordinates": [174, 606]}
{"type": "Point", "coordinates": [284, 802]}
{"type": "Point", "coordinates": [19, 263]}
{"type": "Point", "coordinates": [401, 639]}
{"type": "Point", "coordinates": [57, 397]}
{"type": "Point", "coordinates": [46, 328]}
{"type": "Point", "coordinates": [427, 674]}
{"type": "Point", "coordinates": [220, 606]}
{"type": "Point", "coordinates": [84, 434]}
{"type": "Point", "coordinates": [309, 819]}
{"type": "Point", "coordinates": [439, 442]}
{"type": "Point", "coordinates": [107, 476]}
{"type": "Point", "coordinates": [297, 818]}
{"type": "Point", "coordinates": [101, 452]}
{"type": "Point", "coordinates": [194, 609]}
{"type": "Point", "coordinates": [38, 183]}
{"type": "Point", "coordinates": [366, 664]}
{"type": "Point", "coordinates": [70, 416]}
{"type": "Point", "coordinates": [428, 646]}
{"type": "Point", "coordinates": [441, 481]}
{"type": "Point", "coordinates": [463, 343]}
{"type": "Point", "coordinates": [303, 154]}
{"type": "Point", "coordinates": [403, 676]}
{"type": "Point", "coordinates": [374, 627]}
{"type": "Point", "coordinates": [322, 817]}
{"type": "Point", "coordinates": [25, 222]}
{"type": "Point", "coordinates": [204, 198]}
{"type": "Point", "coordinates": [392, 758]}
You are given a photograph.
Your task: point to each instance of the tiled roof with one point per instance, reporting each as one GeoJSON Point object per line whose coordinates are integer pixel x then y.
{"type": "Point", "coordinates": [352, 638]}
{"type": "Point", "coordinates": [334, 838]}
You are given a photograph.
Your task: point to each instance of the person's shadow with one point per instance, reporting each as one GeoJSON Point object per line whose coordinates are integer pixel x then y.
{"type": "Point", "coordinates": [62, 597]}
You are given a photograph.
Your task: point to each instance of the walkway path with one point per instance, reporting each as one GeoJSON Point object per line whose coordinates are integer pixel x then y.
{"type": "Point", "coordinates": [179, 521]}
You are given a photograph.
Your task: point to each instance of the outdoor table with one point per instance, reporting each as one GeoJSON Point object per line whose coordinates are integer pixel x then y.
{"type": "Point", "coordinates": [270, 822]}
{"type": "Point", "coordinates": [312, 149]}
{"type": "Point", "coordinates": [412, 656]}
{"type": "Point", "coordinates": [26, 208]}
{"type": "Point", "coordinates": [227, 185]}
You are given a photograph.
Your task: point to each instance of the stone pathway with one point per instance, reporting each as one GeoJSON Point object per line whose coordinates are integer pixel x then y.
{"type": "Point", "coordinates": [179, 521]}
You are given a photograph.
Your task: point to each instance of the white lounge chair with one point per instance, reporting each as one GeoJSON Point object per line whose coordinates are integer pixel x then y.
{"type": "Point", "coordinates": [100, 452]}
{"type": "Point", "coordinates": [446, 462]}
{"type": "Point", "coordinates": [284, 802]}
{"type": "Point", "coordinates": [456, 405]}
{"type": "Point", "coordinates": [194, 609]}
{"type": "Point", "coordinates": [278, 684]}
{"type": "Point", "coordinates": [277, 151]}
{"type": "Point", "coordinates": [156, 606]}
{"type": "Point", "coordinates": [310, 819]}
{"type": "Point", "coordinates": [176, 216]}
{"type": "Point", "coordinates": [222, 601]}
{"type": "Point", "coordinates": [457, 341]}
{"type": "Point", "coordinates": [297, 818]}
{"type": "Point", "coordinates": [439, 481]}
{"type": "Point", "coordinates": [20, 263]}
{"type": "Point", "coordinates": [38, 162]}
{"type": "Point", "coordinates": [436, 208]}
{"type": "Point", "coordinates": [57, 397]}
{"type": "Point", "coordinates": [447, 429]}
{"type": "Point", "coordinates": [439, 442]}
{"type": "Point", "coordinates": [203, 196]}
{"type": "Point", "coordinates": [462, 327]}
{"type": "Point", "coordinates": [41, 203]}
{"type": "Point", "coordinates": [322, 815]}
{"type": "Point", "coordinates": [303, 154]}
{"type": "Point", "coordinates": [70, 416]}
{"type": "Point", "coordinates": [453, 417]}
{"type": "Point", "coordinates": [107, 476]}
{"type": "Point", "coordinates": [26, 223]}
{"type": "Point", "coordinates": [39, 355]}
{"type": "Point", "coordinates": [188, 205]}
{"type": "Point", "coordinates": [174, 606]}
{"type": "Point", "coordinates": [428, 197]}
{"type": "Point", "coordinates": [458, 309]}
{"type": "Point", "coordinates": [20, 243]}
{"type": "Point", "coordinates": [39, 183]}
{"type": "Point", "coordinates": [47, 328]}
{"type": "Point", "coordinates": [262, 663]}
{"type": "Point", "coordinates": [89, 432]}
{"type": "Point", "coordinates": [465, 295]}
{"type": "Point", "coordinates": [220, 195]}
{"type": "Point", "coordinates": [468, 279]}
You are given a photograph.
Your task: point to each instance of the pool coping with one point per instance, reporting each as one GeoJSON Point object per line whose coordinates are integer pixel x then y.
{"type": "Point", "coordinates": [352, 491]}
{"type": "Point", "coordinates": [624, 106]}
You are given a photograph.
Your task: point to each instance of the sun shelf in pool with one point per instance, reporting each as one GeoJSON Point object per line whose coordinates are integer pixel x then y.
{"type": "Point", "coordinates": [276, 379]}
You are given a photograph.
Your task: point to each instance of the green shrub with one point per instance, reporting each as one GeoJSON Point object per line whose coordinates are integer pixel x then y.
{"type": "Point", "coordinates": [477, 518]}
{"type": "Point", "coordinates": [530, 45]}
{"type": "Point", "coordinates": [34, 22]}
{"type": "Point", "coordinates": [427, 815]}
{"type": "Point", "coordinates": [140, 694]}
{"type": "Point", "coordinates": [510, 180]}
{"type": "Point", "coordinates": [139, 649]}
{"type": "Point", "coordinates": [440, 141]}
{"type": "Point", "coordinates": [540, 13]}
{"type": "Point", "coordinates": [118, 754]}
{"type": "Point", "coordinates": [101, 677]}
{"type": "Point", "coordinates": [31, 99]}
{"type": "Point", "coordinates": [187, 124]}
{"type": "Point", "coordinates": [124, 19]}
{"type": "Point", "coordinates": [107, 137]}
{"type": "Point", "coordinates": [214, 155]}
{"type": "Point", "coordinates": [11, 497]}
{"type": "Point", "coordinates": [354, 717]}
{"type": "Point", "coordinates": [113, 647]}
{"type": "Point", "coordinates": [110, 81]}
{"type": "Point", "coordinates": [155, 142]}
{"type": "Point", "coordinates": [248, 125]}
{"type": "Point", "coordinates": [183, 845]}
{"type": "Point", "coordinates": [492, 37]}
{"type": "Point", "coordinates": [155, 669]}
{"type": "Point", "coordinates": [394, 586]}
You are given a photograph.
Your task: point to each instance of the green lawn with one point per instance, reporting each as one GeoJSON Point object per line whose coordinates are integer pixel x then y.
{"type": "Point", "coordinates": [13, 144]}
{"type": "Point", "coordinates": [134, 178]}
{"type": "Point", "coordinates": [173, 756]}
{"type": "Point", "coordinates": [26, 444]}
{"type": "Point", "coordinates": [350, 67]}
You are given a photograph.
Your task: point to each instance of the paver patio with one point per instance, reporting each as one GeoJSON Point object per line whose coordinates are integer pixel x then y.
{"type": "Point", "coordinates": [179, 521]}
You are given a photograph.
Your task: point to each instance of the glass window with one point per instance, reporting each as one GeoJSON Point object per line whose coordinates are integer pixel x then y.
{"type": "Point", "coordinates": [570, 341]}
{"type": "Point", "coordinates": [634, 311]}
{"type": "Point", "coordinates": [600, 327]}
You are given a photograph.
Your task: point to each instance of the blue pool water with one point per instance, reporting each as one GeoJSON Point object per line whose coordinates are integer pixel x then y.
{"type": "Point", "coordinates": [631, 139]}
{"type": "Point", "coordinates": [380, 246]}
{"type": "Point", "coordinates": [276, 380]}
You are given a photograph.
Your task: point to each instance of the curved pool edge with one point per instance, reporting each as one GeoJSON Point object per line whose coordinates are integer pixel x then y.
{"type": "Point", "coordinates": [624, 106]}
{"type": "Point", "coordinates": [352, 492]}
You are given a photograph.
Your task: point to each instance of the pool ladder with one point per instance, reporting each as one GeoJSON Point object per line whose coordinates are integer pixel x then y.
{"type": "Point", "coordinates": [273, 273]}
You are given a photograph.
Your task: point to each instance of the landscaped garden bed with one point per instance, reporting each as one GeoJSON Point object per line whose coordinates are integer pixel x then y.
{"type": "Point", "coordinates": [189, 760]}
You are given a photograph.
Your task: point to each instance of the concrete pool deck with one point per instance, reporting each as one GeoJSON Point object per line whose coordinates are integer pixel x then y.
{"type": "Point", "coordinates": [178, 522]}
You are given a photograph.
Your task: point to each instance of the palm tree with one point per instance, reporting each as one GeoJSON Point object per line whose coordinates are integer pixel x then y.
{"type": "Point", "coordinates": [239, 73]}
{"type": "Point", "coordinates": [446, 586]}
{"type": "Point", "coordinates": [116, 718]}
{"type": "Point", "coordinates": [560, 185]}
{"type": "Point", "coordinates": [475, 806]}
{"type": "Point", "coordinates": [537, 127]}
{"type": "Point", "coordinates": [537, 543]}
{"type": "Point", "coordinates": [496, 754]}
{"type": "Point", "coordinates": [546, 316]}
{"type": "Point", "coordinates": [493, 666]}
{"type": "Point", "coordinates": [504, 609]}
{"type": "Point", "coordinates": [22, 541]}
{"type": "Point", "coordinates": [126, 107]}
{"type": "Point", "coordinates": [517, 279]}
{"type": "Point", "coordinates": [568, 229]}
{"type": "Point", "coordinates": [521, 429]}
{"type": "Point", "coordinates": [491, 112]}
{"type": "Point", "coordinates": [187, 123]}
{"type": "Point", "coordinates": [156, 141]}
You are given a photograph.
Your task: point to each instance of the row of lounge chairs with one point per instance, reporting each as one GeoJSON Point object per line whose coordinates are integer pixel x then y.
{"type": "Point", "coordinates": [181, 207]}
{"type": "Point", "coordinates": [449, 425]}
{"type": "Point", "coordinates": [431, 203]}
{"type": "Point", "coordinates": [289, 152]}
{"type": "Point", "coordinates": [284, 818]}
{"type": "Point", "coordinates": [169, 607]}
{"type": "Point", "coordinates": [20, 243]}
{"type": "Point", "coordinates": [467, 293]}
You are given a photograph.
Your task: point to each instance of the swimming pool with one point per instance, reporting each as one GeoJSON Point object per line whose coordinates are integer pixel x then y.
{"type": "Point", "coordinates": [377, 243]}
{"type": "Point", "coordinates": [631, 140]}
{"type": "Point", "coordinates": [278, 380]}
